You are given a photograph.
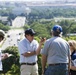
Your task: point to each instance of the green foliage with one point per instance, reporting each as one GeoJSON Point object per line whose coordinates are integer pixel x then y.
{"type": "Point", "coordinates": [68, 26]}
{"type": "Point", "coordinates": [36, 38]}
{"type": "Point", "coordinates": [73, 28]}
{"type": "Point", "coordinates": [3, 27]}
{"type": "Point", "coordinates": [70, 38]}
{"type": "Point", "coordinates": [39, 65]}
{"type": "Point", "coordinates": [26, 27]}
{"type": "Point", "coordinates": [11, 61]}
{"type": "Point", "coordinates": [43, 29]}
{"type": "Point", "coordinates": [15, 70]}
{"type": "Point", "coordinates": [51, 12]}
{"type": "Point", "coordinates": [40, 29]}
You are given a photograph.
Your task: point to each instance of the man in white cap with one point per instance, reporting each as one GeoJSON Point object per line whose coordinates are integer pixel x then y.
{"type": "Point", "coordinates": [5, 55]}
{"type": "Point", "coordinates": [56, 54]}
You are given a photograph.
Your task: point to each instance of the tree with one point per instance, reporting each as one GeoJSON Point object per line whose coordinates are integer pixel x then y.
{"type": "Point", "coordinates": [40, 29]}
{"type": "Point", "coordinates": [10, 63]}
{"type": "Point", "coordinates": [3, 27]}
{"type": "Point", "coordinates": [65, 25]}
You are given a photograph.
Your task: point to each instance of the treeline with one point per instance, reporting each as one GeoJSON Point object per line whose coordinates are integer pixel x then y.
{"type": "Point", "coordinates": [43, 28]}
{"type": "Point", "coordinates": [4, 27]}
{"type": "Point", "coordinates": [51, 12]}
{"type": "Point", "coordinates": [42, 12]}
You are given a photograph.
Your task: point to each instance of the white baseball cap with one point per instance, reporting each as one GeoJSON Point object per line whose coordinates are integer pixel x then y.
{"type": "Point", "coordinates": [2, 33]}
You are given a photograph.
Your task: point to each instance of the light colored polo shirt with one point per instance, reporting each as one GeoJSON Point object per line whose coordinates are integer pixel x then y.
{"type": "Point", "coordinates": [56, 49]}
{"type": "Point", "coordinates": [25, 46]}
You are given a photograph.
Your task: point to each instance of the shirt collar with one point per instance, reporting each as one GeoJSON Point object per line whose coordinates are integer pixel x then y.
{"type": "Point", "coordinates": [28, 40]}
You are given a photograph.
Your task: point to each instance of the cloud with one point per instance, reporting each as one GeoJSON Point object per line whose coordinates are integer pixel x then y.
{"type": "Point", "coordinates": [22, 0]}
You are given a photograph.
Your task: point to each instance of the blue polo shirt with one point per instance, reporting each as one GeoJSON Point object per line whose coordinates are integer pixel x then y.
{"type": "Point", "coordinates": [73, 59]}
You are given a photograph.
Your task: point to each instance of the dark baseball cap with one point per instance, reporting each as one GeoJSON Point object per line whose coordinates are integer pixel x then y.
{"type": "Point", "coordinates": [30, 31]}
{"type": "Point", "coordinates": [57, 28]}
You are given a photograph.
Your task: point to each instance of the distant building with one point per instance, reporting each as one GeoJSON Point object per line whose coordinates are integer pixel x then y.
{"type": "Point", "coordinates": [71, 34]}
{"type": "Point", "coordinates": [62, 18]}
{"type": "Point", "coordinates": [18, 21]}
{"type": "Point", "coordinates": [4, 19]}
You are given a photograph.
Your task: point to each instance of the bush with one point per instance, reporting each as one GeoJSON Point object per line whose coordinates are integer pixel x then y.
{"type": "Point", "coordinates": [11, 64]}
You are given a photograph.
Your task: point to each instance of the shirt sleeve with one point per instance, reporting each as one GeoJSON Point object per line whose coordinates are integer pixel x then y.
{"type": "Point", "coordinates": [22, 48]}
{"type": "Point", "coordinates": [45, 49]}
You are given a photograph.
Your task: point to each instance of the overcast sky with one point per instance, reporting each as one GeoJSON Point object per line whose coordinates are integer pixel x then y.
{"type": "Point", "coordinates": [22, 0]}
{"type": "Point", "coordinates": [39, 0]}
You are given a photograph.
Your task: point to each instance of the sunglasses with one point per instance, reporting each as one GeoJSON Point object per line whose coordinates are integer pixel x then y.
{"type": "Point", "coordinates": [32, 35]}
